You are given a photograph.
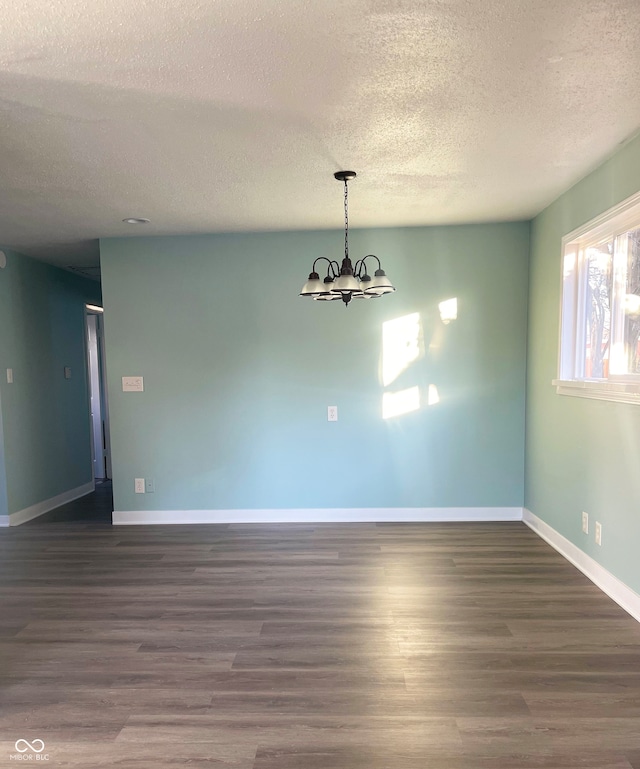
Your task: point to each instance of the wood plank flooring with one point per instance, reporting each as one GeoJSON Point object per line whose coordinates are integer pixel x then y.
{"type": "Point", "coordinates": [438, 646]}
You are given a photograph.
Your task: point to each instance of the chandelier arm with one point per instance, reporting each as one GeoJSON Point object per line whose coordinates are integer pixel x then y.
{"type": "Point", "coordinates": [322, 259]}
{"type": "Point", "coordinates": [372, 256]}
{"type": "Point", "coordinates": [335, 267]}
{"type": "Point", "coordinates": [360, 268]}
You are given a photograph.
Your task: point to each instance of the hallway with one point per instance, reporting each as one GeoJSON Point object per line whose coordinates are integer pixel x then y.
{"type": "Point", "coordinates": [90, 509]}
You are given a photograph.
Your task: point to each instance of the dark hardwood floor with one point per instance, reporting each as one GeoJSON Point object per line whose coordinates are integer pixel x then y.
{"type": "Point", "coordinates": [437, 646]}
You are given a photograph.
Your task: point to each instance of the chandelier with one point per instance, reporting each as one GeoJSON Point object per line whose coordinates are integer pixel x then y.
{"type": "Point", "coordinates": [346, 282]}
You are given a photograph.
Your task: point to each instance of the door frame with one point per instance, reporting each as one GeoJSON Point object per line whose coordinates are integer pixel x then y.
{"type": "Point", "coordinates": [97, 312]}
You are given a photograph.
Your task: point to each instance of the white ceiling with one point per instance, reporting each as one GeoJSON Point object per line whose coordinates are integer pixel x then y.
{"type": "Point", "coordinates": [231, 115]}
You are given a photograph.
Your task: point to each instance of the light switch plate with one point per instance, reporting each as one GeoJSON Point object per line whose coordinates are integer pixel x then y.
{"type": "Point", "coordinates": [150, 485]}
{"type": "Point", "coordinates": [67, 372]}
{"type": "Point", "coordinates": [9, 376]}
{"type": "Point", "coordinates": [132, 384]}
{"type": "Point", "coordinates": [139, 485]}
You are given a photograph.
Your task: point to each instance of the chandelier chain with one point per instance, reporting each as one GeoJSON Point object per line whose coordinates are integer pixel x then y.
{"type": "Point", "coordinates": [346, 220]}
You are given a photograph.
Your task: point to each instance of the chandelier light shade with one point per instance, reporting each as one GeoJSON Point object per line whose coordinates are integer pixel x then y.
{"type": "Point", "coordinates": [346, 282]}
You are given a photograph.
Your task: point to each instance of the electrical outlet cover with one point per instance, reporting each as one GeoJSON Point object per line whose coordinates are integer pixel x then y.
{"type": "Point", "coordinates": [598, 533]}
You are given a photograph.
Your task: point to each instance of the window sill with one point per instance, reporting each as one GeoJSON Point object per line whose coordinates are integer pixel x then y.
{"type": "Point", "coordinates": [622, 392]}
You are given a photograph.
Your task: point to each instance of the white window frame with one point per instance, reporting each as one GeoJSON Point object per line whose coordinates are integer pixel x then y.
{"type": "Point", "coordinates": [571, 344]}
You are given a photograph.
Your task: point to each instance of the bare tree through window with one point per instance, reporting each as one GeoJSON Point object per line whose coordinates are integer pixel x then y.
{"type": "Point", "coordinates": [632, 304]}
{"type": "Point", "coordinates": [598, 298]}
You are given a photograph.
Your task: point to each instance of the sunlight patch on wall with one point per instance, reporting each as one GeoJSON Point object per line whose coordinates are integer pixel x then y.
{"type": "Point", "coordinates": [400, 346]}
{"type": "Point", "coordinates": [401, 402]}
{"type": "Point", "coordinates": [448, 310]}
{"type": "Point", "coordinates": [433, 396]}
{"type": "Point", "coordinates": [437, 339]}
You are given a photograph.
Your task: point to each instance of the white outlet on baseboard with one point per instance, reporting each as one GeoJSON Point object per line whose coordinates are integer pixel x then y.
{"type": "Point", "coordinates": [598, 533]}
{"type": "Point", "coordinates": [139, 485]}
{"type": "Point", "coordinates": [585, 523]}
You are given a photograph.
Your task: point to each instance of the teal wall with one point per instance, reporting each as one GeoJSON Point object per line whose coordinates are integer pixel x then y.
{"type": "Point", "coordinates": [581, 454]}
{"type": "Point", "coordinates": [239, 371]}
{"type": "Point", "coordinates": [45, 417]}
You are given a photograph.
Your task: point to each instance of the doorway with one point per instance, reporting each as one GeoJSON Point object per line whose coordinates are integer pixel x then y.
{"type": "Point", "coordinates": [99, 405]}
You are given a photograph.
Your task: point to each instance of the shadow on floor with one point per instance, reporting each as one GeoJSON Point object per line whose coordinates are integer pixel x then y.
{"type": "Point", "coordinates": [93, 508]}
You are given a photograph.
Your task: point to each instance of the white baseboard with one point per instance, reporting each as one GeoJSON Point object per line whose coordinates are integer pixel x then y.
{"type": "Point", "coordinates": [320, 515]}
{"type": "Point", "coordinates": [40, 508]}
{"type": "Point", "coordinates": [622, 594]}
{"type": "Point", "coordinates": [4, 521]}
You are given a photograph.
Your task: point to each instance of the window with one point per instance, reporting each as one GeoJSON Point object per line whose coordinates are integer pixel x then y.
{"type": "Point", "coordinates": [600, 329]}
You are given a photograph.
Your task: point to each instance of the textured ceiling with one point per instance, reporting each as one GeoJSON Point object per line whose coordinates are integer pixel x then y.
{"type": "Point", "coordinates": [231, 115]}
